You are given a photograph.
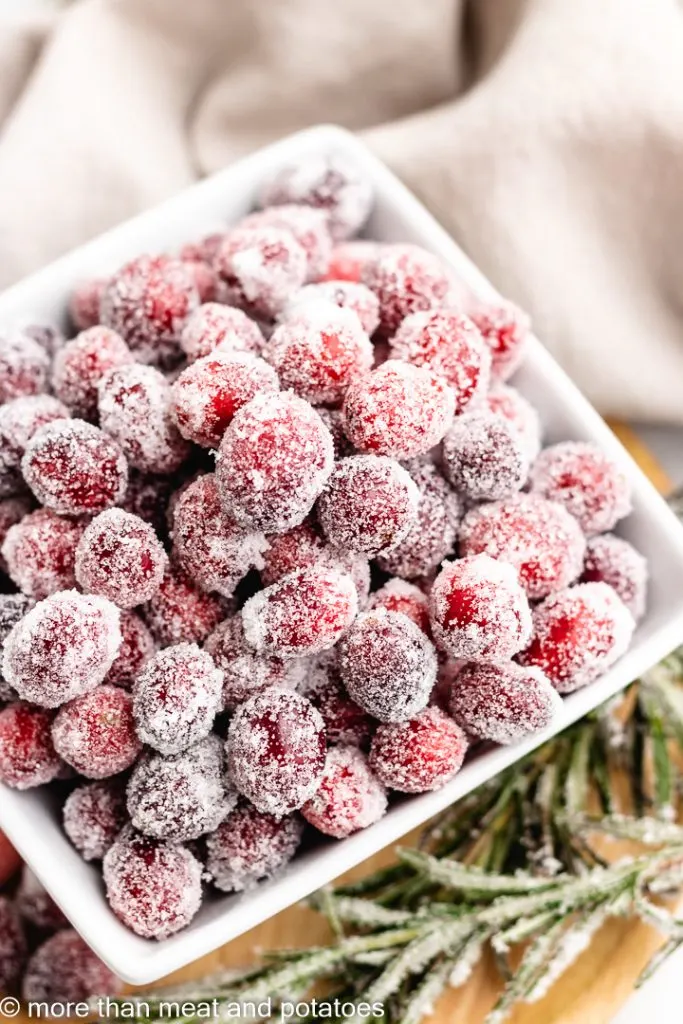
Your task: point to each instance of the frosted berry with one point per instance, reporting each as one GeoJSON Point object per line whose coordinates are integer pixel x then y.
{"type": "Point", "coordinates": [135, 407]}
{"type": "Point", "coordinates": [298, 548]}
{"type": "Point", "coordinates": [538, 537]}
{"type": "Point", "coordinates": [39, 552]}
{"type": "Point", "coordinates": [276, 750]}
{"type": "Point", "coordinates": [74, 468]}
{"type": "Point", "coordinates": [448, 343]}
{"type": "Point", "coordinates": [95, 733]}
{"type": "Point", "coordinates": [154, 887]}
{"type": "Point", "coordinates": [260, 268]}
{"type": "Point", "coordinates": [387, 665]}
{"type": "Point", "coordinates": [349, 797]}
{"type": "Point", "coordinates": [120, 557]}
{"type": "Point", "coordinates": [369, 503]}
{"type": "Point", "coordinates": [406, 279]}
{"type": "Point", "coordinates": [273, 462]}
{"type": "Point", "coordinates": [578, 634]}
{"type": "Point", "coordinates": [245, 671]}
{"type": "Point", "coordinates": [19, 421]}
{"type": "Point", "coordinates": [206, 248]}
{"type": "Point", "coordinates": [208, 393]}
{"type": "Point", "coordinates": [137, 647]}
{"type": "Point", "coordinates": [398, 595]}
{"type": "Point", "coordinates": [484, 457]}
{"type": "Point", "coordinates": [27, 755]}
{"type": "Point", "coordinates": [62, 648]}
{"type": "Point", "coordinates": [503, 703]}
{"type": "Point", "coordinates": [432, 537]}
{"type": "Point", "coordinates": [36, 906]}
{"type": "Point", "coordinates": [64, 970]}
{"type": "Point", "coordinates": [328, 182]}
{"type": "Point", "coordinates": [302, 614]}
{"type": "Point", "coordinates": [12, 511]}
{"type": "Point", "coordinates": [613, 560]}
{"type": "Point", "coordinates": [180, 612]}
{"type": "Point", "coordinates": [334, 421]}
{"type": "Point", "coordinates": [84, 303]}
{"type": "Point", "coordinates": [309, 227]}
{"type": "Point", "coordinates": [215, 326]}
{"type": "Point", "coordinates": [578, 475]}
{"type": "Point", "coordinates": [24, 367]}
{"type": "Point", "coordinates": [176, 698]}
{"type": "Point", "coordinates": [318, 351]}
{"type": "Point", "coordinates": [180, 797]}
{"type": "Point", "coordinates": [505, 329]}
{"type": "Point", "coordinates": [13, 607]}
{"type": "Point", "coordinates": [345, 722]}
{"type": "Point", "coordinates": [348, 260]}
{"type": "Point", "coordinates": [398, 410]}
{"type": "Point", "coordinates": [82, 363]}
{"type": "Point", "coordinates": [205, 279]}
{"type": "Point", "coordinates": [93, 816]}
{"type": "Point", "coordinates": [250, 846]}
{"type": "Point", "coordinates": [49, 337]}
{"type": "Point", "coordinates": [346, 294]}
{"type": "Point", "coordinates": [147, 302]}
{"type": "Point", "coordinates": [508, 403]}
{"type": "Point", "coordinates": [419, 755]}
{"type": "Point", "coordinates": [147, 496]}
{"type": "Point", "coordinates": [13, 946]}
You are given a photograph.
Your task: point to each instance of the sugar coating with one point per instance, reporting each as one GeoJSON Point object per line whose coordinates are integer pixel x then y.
{"type": "Point", "coordinates": [136, 409]}
{"type": "Point", "coordinates": [509, 403]}
{"type": "Point", "coordinates": [65, 970]}
{"type": "Point", "coordinates": [349, 797]}
{"type": "Point", "coordinates": [213, 326]}
{"type": "Point", "coordinates": [578, 475]}
{"type": "Point", "coordinates": [506, 329]}
{"type": "Point", "coordinates": [398, 595]}
{"type": "Point", "coordinates": [13, 946]}
{"type": "Point", "coordinates": [260, 268]}
{"type": "Point", "coordinates": [351, 295]}
{"type": "Point", "coordinates": [19, 420]}
{"type": "Point", "coordinates": [318, 351]}
{"type": "Point", "coordinates": [13, 607]}
{"type": "Point", "coordinates": [62, 648]}
{"type": "Point", "coordinates": [369, 504]}
{"type": "Point", "coordinates": [348, 260]}
{"type": "Point", "coordinates": [387, 665]}
{"type": "Point", "coordinates": [578, 634]}
{"type": "Point", "coordinates": [214, 550]}
{"type": "Point", "coordinates": [432, 537]}
{"type": "Point", "coordinates": [40, 552]}
{"type": "Point", "coordinates": [613, 560]}
{"type": "Point", "coordinates": [484, 457]}
{"type": "Point", "coordinates": [406, 279]}
{"type": "Point", "coordinates": [418, 755]}
{"type": "Point", "coordinates": [24, 367]}
{"type": "Point", "coordinates": [276, 750]}
{"type": "Point", "coordinates": [538, 537]}
{"type": "Point", "coordinates": [450, 344]}
{"type": "Point", "coordinates": [309, 227]}
{"type": "Point", "coordinates": [398, 410]}
{"type": "Point", "coordinates": [137, 647]}
{"type": "Point", "coordinates": [82, 363]}
{"type": "Point", "coordinates": [93, 815]}
{"type": "Point", "coordinates": [249, 846]}
{"type": "Point", "coordinates": [503, 703]}
{"type": "Point", "coordinates": [345, 722]}
{"type": "Point", "coordinates": [120, 557]}
{"type": "Point", "coordinates": [302, 614]}
{"type": "Point", "coordinates": [205, 279]}
{"type": "Point", "coordinates": [148, 496]}
{"type": "Point", "coordinates": [27, 754]}
{"type": "Point", "coordinates": [180, 797]}
{"type": "Point", "coordinates": [244, 670]}
{"type": "Point", "coordinates": [36, 906]}
{"type": "Point", "coordinates": [147, 302]}
{"type": "Point", "coordinates": [176, 698]}
{"type": "Point", "coordinates": [273, 462]}
{"type": "Point", "coordinates": [12, 511]}
{"type": "Point", "coordinates": [298, 548]}
{"type": "Point", "coordinates": [95, 733]}
{"type": "Point", "coordinates": [48, 336]}
{"type": "Point", "coordinates": [153, 886]}
{"type": "Point", "coordinates": [180, 612]}
{"type": "Point", "coordinates": [74, 468]}
{"type": "Point", "coordinates": [328, 182]}
{"type": "Point", "coordinates": [84, 303]}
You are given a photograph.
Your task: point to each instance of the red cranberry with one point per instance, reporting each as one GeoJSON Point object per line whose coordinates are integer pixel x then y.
{"type": "Point", "coordinates": [65, 970]}
{"type": "Point", "coordinates": [13, 607]}
{"type": "Point", "coordinates": [398, 595]}
{"type": "Point", "coordinates": [249, 846]}
{"type": "Point", "coordinates": [137, 647]}
{"type": "Point", "coordinates": [349, 797]}
{"type": "Point", "coordinates": [512, 406]}
{"type": "Point", "coordinates": [36, 906]}
{"type": "Point", "coordinates": [349, 260]}
{"type": "Point", "coordinates": [24, 367]}
{"type": "Point", "coordinates": [349, 295]}
{"type": "Point", "coordinates": [309, 227]}
{"type": "Point", "coordinates": [245, 671]}
{"type": "Point", "coordinates": [12, 511]}
{"type": "Point", "coordinates": [19, 421]}
{"type": "Point", "coordinates": [13, 946]}
{"type": "Point", "coordinates": [406, 279]}
{"type": "Point", "coordinates": [419, 755]}
{"type": "Point", "coordinates": [345, 722]}
{"type": "Point", "coordinates": [613, 560]}
{"type": "Point", "coordinates": [484, 458]}
{"type": "Point", "coordinates": [147, 496]}
{"type": "Point", "coordinates": [205, 279]}
{"type": "Point", "coordinates": [120, 557]}
{"type": "Point", "coordinates": [179, 612]}
{"type": "Point", "coordinates": [95, 733]}
{"type": "Point", "coordinates": [588, 483]}
{"type": "Point", "coordinates": [82, 363]}
{"type": "Point", "coordinates": [503, 703]}
{"type": "Point", "coordinates": [260, 268]}
{"type": "Point", "coordinates": [214, 326]}
{"type": "Point", "coordinates": [27, 755]}
{"type": "Point", "coordinates": [40, 551]}
{"type": "Point", "coordinates": [505, 329]}
{"type": "Point", "coordinates": [298, 548]}
{"type": "Point", "coordinates": [93, 816]}
{"type": "Point", "coordinates": [84, 303]}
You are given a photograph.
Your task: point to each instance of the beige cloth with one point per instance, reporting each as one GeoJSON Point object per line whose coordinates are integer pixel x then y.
{"type": "Point", "coordinates": [547, 135]}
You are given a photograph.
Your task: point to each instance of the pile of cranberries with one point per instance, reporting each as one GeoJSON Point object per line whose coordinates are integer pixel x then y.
{"type": "Point", "coordinates": [278, 541]}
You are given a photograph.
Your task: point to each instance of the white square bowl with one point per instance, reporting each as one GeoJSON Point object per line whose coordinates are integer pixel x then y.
{"type": "Point", "coordinates": [31, 819]}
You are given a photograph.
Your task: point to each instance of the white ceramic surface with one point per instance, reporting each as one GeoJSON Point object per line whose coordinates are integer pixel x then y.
{"type": "Point", "coordinates": [31, 819]}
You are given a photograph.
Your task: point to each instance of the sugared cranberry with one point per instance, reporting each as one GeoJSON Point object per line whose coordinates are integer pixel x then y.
{"type": "Point", "coordinates": [13, 947]}
{"type": "Point", "coordinates": [508, 403]}
{"type": "Point", "coordinates": [95, 733]}
{"type": "Point", "coordinates": [12, 511]}
{"type": "Point", "coordinates": [74, 468]}
{"type": "Point", "coordinates": [613, 560]}
{"type": "Point", "coordinates": [27, 755]}
{"type": "Point", "coordinates": [137, 647]}
{"type": "Point", "coordinates": [82, 363]}
{"type": "Point", "coordinates": [398, 595]}
{"type": "Point", "coordinates": [484, 457]}
{"type": "Point", "coordinates": [40, 551]}
{"type": "Point", "coordinates": [19, 421]}
{"type": "Point", "coordinates": [260, 268]}
{"type": "Point", "coordinates": [249, 846]}
{"type": "Point", "coordinates": [387, 665]}
{"type": "Point", "coordinates": [309, 227]}
{"type": "Point", "coordinates": [348, 260]}
{"type": "Point", "coordinates": [147, 302]}
{"type": "Point", "coordinates": [505, 329]}
{"type": "Point", "coordinates": [48, 336]}
{"type": "Point", "coordinates": [84, 303]}
{"type": "Point", "coordinates": [418, 755]}
{"type": "Point", "coordinates": [180, 612]}
{"type": "Point", "coordinates": [276, 750]}
{"type": "Point", "coordinates": [205, 279]}
{"type": "Point", "coordinates": [176, 698]}
{"type": "Point", "coordinates": [215, 326]}
{"type": "Point", "coordinates": [349, 797]}
{"type": "Point", "coordinates": [24, 367]}
{"type": "Point", "coordinates": [93, 816]}
{"type": "Point", "coordinates": [345, 722]}
{"type": "Point", "coordinates": [154, 887]}
{"type": "Point", "coordinates": [398, 410]}
{"type": "Point", "coordinates": [298, 548]}
{"type": "Point", "coordinates": [503, 703]}
{"type": "Point", "coordinates": [208, 393]}
{"type": "Point", "coordinates": [586, 481]}
{"type": "Point", "coordinates": [406, 279]}
{"type": "Point", "coordinates": [13, 607]}
{"type": "Point", "coordinates": [273, 462]}
{"type": "Point", "coordinates": [302, 614]}
{"type": "Point", "coordinates": [62, 648]}
{"type": "Point", "coordinates": [64, 970]}
{"type": "Point", "coordinates": [36, 906]}
{"type": "Point", "coordinates": [345, 294]}
{"type": "Point", "coordinates": [245, 671]}
{"type": "Point", "coordinates": [136, 409]}
{"type": "Point", "coordinates": [578, 634]}
{"type": "Point", "coordinates": [147, 496]}
{"type": "Point", "coordinates": [120, 557]}
{"type": "Point", "coordinates": [538, 537]}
